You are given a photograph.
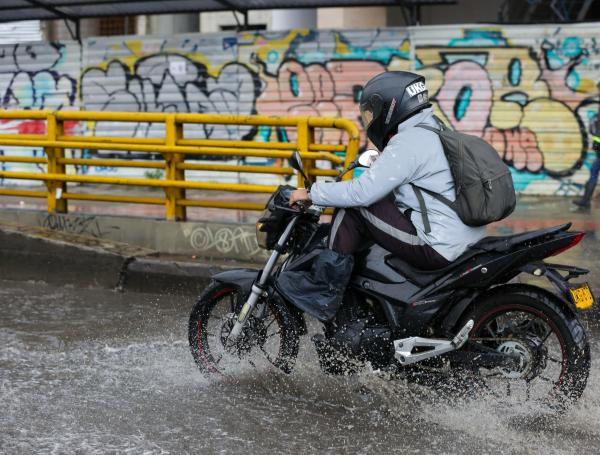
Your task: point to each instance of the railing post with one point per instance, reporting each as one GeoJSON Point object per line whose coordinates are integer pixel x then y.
{"type": "Point", "coordinates": [306, 135]}
{"type": "Point", "coordinates": [174, 131]}
{"type": "Point", "coordinates": [56, 203]}
{"type": "Point", "coordinates": [352, 149]}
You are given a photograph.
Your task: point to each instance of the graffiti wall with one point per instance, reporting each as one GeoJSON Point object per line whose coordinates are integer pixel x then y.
{"type": "Point", "coordinates": [36, 76]}
{"type": "Point", "coordinates": [528, 90]}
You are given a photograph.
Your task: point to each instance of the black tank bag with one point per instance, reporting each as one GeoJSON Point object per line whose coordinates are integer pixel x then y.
{"type": "Point", "coordinates": [483, 183]}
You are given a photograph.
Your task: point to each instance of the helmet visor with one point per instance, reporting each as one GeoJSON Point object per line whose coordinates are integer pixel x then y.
{"type": "Point", "coordinates": [366, 114]}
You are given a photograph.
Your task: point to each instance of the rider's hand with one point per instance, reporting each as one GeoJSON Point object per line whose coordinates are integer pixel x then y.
{"type": "Point", "coordinates": [301, 194]}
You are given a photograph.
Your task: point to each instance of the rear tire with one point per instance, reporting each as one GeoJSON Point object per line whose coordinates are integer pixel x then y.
{"type": "Point", "coordinates": [537, 311]}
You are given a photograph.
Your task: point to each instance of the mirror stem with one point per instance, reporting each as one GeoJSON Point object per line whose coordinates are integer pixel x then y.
{"type": "Point", "coordinates": [307, 182]}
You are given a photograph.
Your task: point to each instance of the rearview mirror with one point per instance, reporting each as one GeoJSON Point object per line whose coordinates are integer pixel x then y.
{"type": "Point", "coordinates": [296, 163]}
{"type": "Point", "coordinates": [367, 158]}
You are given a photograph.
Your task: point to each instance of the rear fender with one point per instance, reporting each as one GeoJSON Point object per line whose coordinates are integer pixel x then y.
{"type": "Point", "coordinates": [242, 279]}
{"type": "Point", "coordinates": [455, 315]}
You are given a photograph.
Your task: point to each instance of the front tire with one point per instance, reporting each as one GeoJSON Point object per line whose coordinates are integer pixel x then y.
{"type": "Point", "coordinates": [531, 324]}
{"type": "Point", "coordinates": [266, 342]}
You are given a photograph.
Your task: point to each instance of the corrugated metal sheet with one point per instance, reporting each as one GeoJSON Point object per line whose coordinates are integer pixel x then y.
{"type": "Point", "coordinates": [20, 32]}
{"type": "Point", "coordinates": [184, 73]}
{"type": "Point", "coordinates": [529, 90]}
{"type": "Point", "coordinates": [36, 75]}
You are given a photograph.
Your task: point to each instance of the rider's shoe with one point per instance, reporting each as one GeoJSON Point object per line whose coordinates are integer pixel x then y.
{"type": "Point", "coordinates": [585, 201]}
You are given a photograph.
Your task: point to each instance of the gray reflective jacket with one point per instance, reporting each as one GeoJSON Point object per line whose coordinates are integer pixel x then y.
{"type": "Point", "coordinates": [414, 155]}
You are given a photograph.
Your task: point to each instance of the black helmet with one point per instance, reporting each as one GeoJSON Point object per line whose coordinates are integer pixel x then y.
{"type": "Point", "coordinates": [388, 99]}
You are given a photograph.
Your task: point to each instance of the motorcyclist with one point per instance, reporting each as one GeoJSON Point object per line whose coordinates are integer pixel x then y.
{"type": "Point", "coordinates": [381, 205]}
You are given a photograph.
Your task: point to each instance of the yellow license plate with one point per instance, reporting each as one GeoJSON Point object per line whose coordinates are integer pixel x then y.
{"type": "Point", "coordinates": [582, 296]}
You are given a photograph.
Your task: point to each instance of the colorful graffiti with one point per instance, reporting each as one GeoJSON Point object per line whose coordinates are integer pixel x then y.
{"type": "Point", "coordinates": [530, 91]}
{"type": "Point", "coordinates": [170, 82]}
{"type": "Point", "coordinates": [30, 77]}
{"type": "Point", "coordinates": [35, 76]}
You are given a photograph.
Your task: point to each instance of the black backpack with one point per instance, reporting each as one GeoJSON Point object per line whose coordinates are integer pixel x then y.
{"type": "Point", "coordinates": [483, 183]}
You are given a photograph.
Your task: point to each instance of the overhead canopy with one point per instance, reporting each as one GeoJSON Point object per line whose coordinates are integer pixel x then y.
{"type": "Point", "coordinates": [18, 10]}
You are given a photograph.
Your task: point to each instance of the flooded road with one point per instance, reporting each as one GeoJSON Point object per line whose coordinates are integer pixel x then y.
{"type": "Point", "coordinates": [95, 371]}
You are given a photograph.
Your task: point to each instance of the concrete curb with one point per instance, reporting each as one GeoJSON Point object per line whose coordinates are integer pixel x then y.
{"type": "Point", "coordinates": [33, 253]}
{"type": "Point", "coordinates": [146, 274]}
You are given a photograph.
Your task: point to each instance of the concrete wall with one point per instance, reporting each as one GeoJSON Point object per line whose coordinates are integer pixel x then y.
{"type": "Point", "coordinates": [357, 18]}
{"type": "Point", "coordinates": [172, 24]}
{"type": "Point", "coordinates": [203, 239]}
{"type": "Point", "coordinates": [464, 11]}
{"type": "Point", "coordinates": [213, 21]}
{"type": "Point", "coordinates": [285, 19]}
{"type": "Point", "coordinates": [529, 90]}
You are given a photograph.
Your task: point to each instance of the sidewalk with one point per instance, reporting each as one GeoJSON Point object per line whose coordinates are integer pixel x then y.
{"type": "Point", "coordinates": [532, 212]}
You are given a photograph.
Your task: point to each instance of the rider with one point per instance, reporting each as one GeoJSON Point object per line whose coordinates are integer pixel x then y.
{"type": "Point", "coordinates": [381, 205]}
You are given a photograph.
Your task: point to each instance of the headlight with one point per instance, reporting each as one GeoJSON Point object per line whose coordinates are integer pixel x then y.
{"type": "Point", "coordinates": [261, 236]}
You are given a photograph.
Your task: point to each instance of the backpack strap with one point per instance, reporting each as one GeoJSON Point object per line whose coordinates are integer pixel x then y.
{"type": "Point", "coordinates": [419, 190]}
{"type": "Point", "coordinates": [427, 127]}
{"type": "Point", "coordinates": [423, 208]}
{"type": "Point", "coordinates": [442, 126]}
{"type": "Point", "coordinates": [441, 123]}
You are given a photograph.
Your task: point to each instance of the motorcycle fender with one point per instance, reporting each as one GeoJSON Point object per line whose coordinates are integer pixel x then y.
{"type": "Point", "coordinates": [463, 306]}
{"type": "Point", "coordinates": [458, 309]}
{"type": "Point", "coordinates": [240, 278]}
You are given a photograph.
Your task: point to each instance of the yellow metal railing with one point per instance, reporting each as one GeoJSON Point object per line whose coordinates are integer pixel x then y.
{"type": "Point", "coordinates": [174, 148]}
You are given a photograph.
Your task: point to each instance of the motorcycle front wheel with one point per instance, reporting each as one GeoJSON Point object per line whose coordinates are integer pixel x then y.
{"type": "Point", "coordinates": [269, 338]}
{"type": "Point", "coordinates": [549, 343]}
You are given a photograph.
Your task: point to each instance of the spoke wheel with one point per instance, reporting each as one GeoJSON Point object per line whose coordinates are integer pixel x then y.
{"type": "Point", "coordinates": [268, 341]}
{"type": "Point", "coordinates": [551, 355]}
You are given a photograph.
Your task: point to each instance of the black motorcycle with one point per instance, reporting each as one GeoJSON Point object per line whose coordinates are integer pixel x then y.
{"type": "Point", "coordinates": [468, 320]}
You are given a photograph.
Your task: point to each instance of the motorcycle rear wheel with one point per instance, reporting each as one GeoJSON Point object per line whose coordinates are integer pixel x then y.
{"type": "Point", "coordinates": [270, 341]}
{"type": "Point", "coordinates": [550, 342]}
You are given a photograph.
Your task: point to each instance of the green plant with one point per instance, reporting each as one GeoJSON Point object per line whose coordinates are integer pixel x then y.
{"type": "Point", "coordinates": [155, 174]}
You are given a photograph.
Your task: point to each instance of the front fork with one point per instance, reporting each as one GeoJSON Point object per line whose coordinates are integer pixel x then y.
{"type": "Point", "coordinates": [258, 288]}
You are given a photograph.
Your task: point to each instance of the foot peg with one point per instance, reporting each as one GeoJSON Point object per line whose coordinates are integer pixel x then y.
{"type": "Point", "coordinates": [429, 347]}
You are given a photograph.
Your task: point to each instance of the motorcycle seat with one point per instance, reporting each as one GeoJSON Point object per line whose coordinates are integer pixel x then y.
{"type": "Point", "coordinates": [504, 243]}
{"type": "Point", "coordinates": [500, 244]}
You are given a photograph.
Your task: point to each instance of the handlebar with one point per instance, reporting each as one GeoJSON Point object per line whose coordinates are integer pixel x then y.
{"type": "Point", "coordinates": [280, 201]}
{"type": "Point", "coordinates": [300, 207]}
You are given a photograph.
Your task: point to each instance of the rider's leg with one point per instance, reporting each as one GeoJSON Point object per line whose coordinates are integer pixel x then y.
{"type": "Point", "coordinates": [319, 291]}
{"type": "Point", "coordinates": [387, 226]}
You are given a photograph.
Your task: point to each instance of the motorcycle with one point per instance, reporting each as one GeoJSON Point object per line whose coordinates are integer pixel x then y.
{"type": "Point", "coordinates": [469, 320]}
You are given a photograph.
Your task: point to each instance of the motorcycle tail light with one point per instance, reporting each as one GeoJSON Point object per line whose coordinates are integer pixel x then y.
{"type": "Point", "coordinates": [574, 241]}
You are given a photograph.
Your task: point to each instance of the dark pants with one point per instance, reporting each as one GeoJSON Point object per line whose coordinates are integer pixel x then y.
{"type": "Point", "coordinates": [593, 180]}
{"type": "Point", "coordinates": [386, 225]}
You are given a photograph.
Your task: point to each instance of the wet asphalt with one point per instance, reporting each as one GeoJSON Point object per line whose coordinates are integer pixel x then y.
{"type": "Point", "coordinates": [96, 371]}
